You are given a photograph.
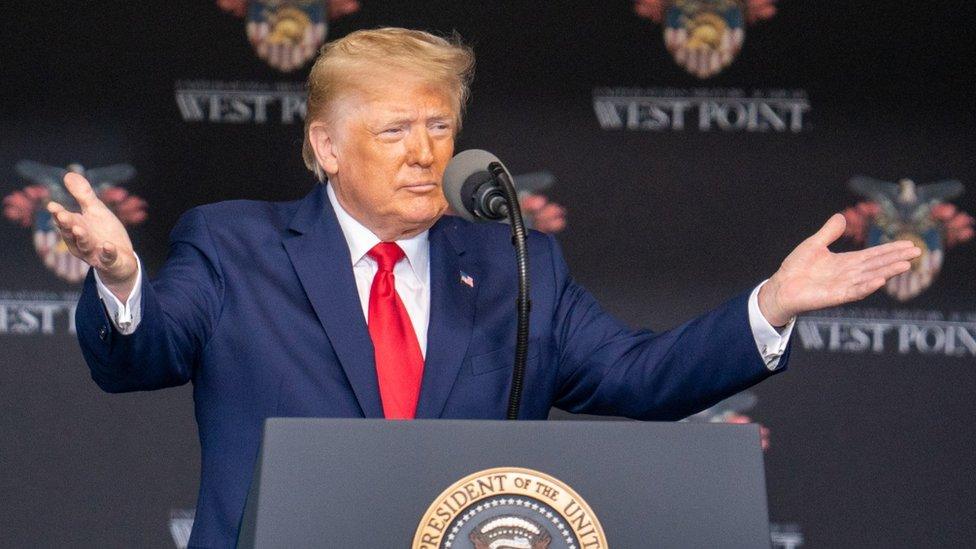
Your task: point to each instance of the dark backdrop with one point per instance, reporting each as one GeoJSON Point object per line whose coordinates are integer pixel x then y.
{"type": "Point", "coordinates": [869, 447]}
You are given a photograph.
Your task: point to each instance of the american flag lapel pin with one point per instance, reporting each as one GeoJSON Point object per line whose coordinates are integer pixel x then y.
{"type": "Point", "coordinates": [466, 279]}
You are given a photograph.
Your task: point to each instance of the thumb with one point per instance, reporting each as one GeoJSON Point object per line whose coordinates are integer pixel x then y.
{"type": "Point", "coordinates": [81, 190]}
{"type": "Point", "coordinates": [831, 231]}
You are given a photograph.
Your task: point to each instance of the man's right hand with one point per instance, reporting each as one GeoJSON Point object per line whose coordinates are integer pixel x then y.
{"type": "Point", "coordinates": [96, 237]}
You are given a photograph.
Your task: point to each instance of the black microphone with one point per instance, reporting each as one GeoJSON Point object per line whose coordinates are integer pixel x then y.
{"type": "Point", "coordinates": [473, 190]}
{"type": "Point", "coordinates": [479, 188]}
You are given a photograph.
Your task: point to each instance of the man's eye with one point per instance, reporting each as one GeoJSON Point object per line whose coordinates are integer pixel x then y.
{"type": "Point", "coordinates": [392, 131]}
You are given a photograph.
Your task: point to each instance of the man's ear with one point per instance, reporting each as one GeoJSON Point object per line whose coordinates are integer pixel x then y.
{"type": "Point", "coordinates": [321, 137]}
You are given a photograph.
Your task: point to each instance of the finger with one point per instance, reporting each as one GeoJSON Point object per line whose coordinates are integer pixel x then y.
{"type": "Point", "coordinates": [53, 207]}
{"type": "Point", "coordinates": [882, 249]}
{"type": "Point", "coordinates": [764, 437]}
{"type": "Point", "coordinates": [82, 241]}
{"type": "Point", "coordinates": [554, 209]}
{"type": "Point", "coordinates": [108, 254]}
{"type": "Point", "coordinates": [738, 418]}
{"type": "Point", "coordinates": [831, 230]}
{"type": "Point", "coordinates": [555, 219]}
{"type": "Point", "coordinates": [533, 202]}
{"type": "Point", "coordinates": [81, 190]}
{"type": "Point", "coordinates": [550, 226]}
{"type": "Point", "coordinates": [56, 210]}
{"type": "Point", "coordinates": [889, 270]}
{"type": "Point", "coordinates": [65, 220]}
{"type": "Point", "coordinates": [864, 289]}
{"type": "Point", "coordinates": [68, 238]}
{"type": "Point", "coordinates": [897, 254]}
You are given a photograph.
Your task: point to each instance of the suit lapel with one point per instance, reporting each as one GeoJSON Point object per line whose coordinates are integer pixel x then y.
{"type": "Point", "coordinates": [321, 258]}
{"type": "Point", "coordinates": [452, 310]}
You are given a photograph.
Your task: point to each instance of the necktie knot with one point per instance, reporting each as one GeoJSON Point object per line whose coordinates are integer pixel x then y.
{"type": "Point", "coordinates": [386, 255]}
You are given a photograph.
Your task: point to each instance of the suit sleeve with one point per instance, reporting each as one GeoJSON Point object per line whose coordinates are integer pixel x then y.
{"type": "Point", "coordinates": [606, 368]}
{"type": "Point", "coordinates": [180, 309]}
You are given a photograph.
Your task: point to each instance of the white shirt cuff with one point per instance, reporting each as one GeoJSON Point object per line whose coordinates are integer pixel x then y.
{"type": "Point", "coordinates": [125, 317]}
{"type": "Point", "coordinates": [770, 342]}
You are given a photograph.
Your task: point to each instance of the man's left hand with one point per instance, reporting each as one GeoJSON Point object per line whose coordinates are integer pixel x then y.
{"type": "Point", "coordinates": [812, 277]}
{"type": "Point", "coordinates": [546, 216]}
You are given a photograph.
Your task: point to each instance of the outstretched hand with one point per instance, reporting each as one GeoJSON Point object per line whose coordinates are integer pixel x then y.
{"type": "Point", "coordinates": [812, 277]}
{"type": "Point", "coordinates": [96, 236]}
{"type": "Point", "coordinates": [546, 216]}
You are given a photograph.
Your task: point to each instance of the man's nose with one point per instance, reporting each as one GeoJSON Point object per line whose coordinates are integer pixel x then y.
{"type": "Point", "coordinates": [421, 149]}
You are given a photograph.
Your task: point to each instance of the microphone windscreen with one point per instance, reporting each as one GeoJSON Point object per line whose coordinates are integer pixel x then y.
{"type": "Point", "coordinates": [464, 165]}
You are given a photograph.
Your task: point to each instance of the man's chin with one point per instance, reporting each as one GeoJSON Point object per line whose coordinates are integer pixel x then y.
{"type": "Point", "coordinates": [424, 213]}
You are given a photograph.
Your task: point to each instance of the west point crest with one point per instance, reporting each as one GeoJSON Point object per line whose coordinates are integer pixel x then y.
{"type": "Point", "coordinates": [704, 36]}
{"type": "Point", "coordinates": [287, 34]}
{"type": "Point", "coordinates": [906, 211]}
{"type": "Point", "coordinates": [27, 208]}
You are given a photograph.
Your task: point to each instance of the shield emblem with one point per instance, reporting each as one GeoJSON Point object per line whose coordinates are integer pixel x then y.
{"type": "Point", "coordinates": [924, 267]}
{"type": "Point", "coordinates": [286, 33]}
{"type": "Point", "coordinates": [704, 36]}
{"type": "Point", "coordinates": [906, 211]}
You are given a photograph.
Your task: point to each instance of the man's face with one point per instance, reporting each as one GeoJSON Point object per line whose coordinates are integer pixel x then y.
{"type": "Point", "coordinates": [391, 141]}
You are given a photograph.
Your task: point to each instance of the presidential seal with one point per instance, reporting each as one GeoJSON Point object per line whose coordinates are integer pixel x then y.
{"type": "Point", "coordinates": [509, 508]}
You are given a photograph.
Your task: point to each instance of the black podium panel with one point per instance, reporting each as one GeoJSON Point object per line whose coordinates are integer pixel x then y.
{"type": "Point", "coordinates": [368, 483]}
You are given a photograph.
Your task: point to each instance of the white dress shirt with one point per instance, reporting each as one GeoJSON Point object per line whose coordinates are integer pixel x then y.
{"type": "Point", "coordinates": [412, 278]}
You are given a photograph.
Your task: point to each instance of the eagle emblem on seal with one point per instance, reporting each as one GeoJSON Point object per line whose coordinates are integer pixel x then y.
{"type": "Point", "coordinates": [510, 531]}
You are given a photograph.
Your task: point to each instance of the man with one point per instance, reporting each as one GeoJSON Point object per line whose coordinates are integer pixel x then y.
{"type": "Point", "coordinates": [363, 299]}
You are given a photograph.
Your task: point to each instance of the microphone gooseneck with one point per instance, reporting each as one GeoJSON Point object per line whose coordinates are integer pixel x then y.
{"type": "Point", "coordinates": [479, 188]}
{"type": "Point", "coordinates": [522, 303]}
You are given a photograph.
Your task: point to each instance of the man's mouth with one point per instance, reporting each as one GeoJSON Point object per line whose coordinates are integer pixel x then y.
{"type": "Point", "coordinates": [421, 187]}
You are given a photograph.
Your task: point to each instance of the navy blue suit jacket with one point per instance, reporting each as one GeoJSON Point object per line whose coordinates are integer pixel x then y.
{"type": "Point", "coordinates": [257, 306]}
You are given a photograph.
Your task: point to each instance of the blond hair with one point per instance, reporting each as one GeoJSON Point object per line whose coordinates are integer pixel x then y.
{"type": "Point", "coordinates": [442, 61]}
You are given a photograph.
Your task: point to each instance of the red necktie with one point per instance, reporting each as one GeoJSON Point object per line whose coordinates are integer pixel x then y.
{"type": "Point", "coordinates": [399, 364]}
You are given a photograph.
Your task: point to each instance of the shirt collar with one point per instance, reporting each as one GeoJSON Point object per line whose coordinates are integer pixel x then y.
{"type": "Point", "coordinates": [361, 240]}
